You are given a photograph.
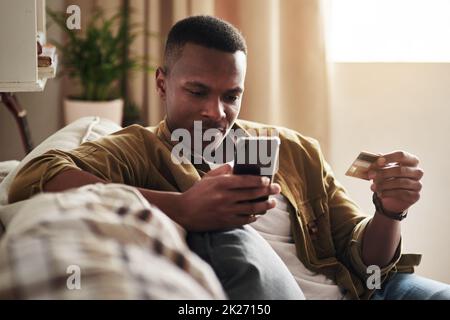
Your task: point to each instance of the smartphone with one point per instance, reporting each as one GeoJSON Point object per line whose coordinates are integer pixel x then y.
{"type": "Point", "coordinates": [257, 156]}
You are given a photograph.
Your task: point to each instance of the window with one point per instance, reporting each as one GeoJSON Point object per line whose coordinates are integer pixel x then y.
{"type": "Point", "coordinates": [389, 30]}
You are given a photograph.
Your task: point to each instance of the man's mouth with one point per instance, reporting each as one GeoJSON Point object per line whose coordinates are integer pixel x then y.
{"type": "Point", "coordinates": [203, 129]}
{"type": "Point", "coordinates": [221, 130]}
{"type": "Point", "coordinates": [206, 136]}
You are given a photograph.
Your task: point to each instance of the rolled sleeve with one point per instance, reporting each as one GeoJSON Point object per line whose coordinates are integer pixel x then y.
{"type": "Point", "coordinates": [31, 179]}
{"type": "Point", "coordinates": [349, 224]}
{"type": "Point", "coordinates": [119, 158]}
{"type": "Point", "coordinates": [355, 252]}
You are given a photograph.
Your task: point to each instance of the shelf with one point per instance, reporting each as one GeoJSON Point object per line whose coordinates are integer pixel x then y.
{"type": "Point", "coordinates": [44, 73]}
{"type": "Point", "coordinates": [50, 71]}
{"type": "Point", "coordinates": [38, 85]}
{"type": "Point", "coordinates": [22, 24]}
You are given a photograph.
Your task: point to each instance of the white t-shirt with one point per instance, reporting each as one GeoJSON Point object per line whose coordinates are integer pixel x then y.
{"type": "Point", "coordinates": [275, 228]}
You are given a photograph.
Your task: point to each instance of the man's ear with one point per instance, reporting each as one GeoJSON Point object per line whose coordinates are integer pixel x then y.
{"type": "Point", "coordinates": [161, 82]}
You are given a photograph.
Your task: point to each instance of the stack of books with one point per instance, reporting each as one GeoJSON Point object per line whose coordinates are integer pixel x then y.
{"type": "Point", "coordinates": [46, 54]}
{"type": "Point", "coordinates": [46, 60]}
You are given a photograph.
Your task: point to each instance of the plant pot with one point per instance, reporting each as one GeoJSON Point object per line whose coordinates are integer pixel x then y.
{"type": "Point", "coordinates": [75, 109]}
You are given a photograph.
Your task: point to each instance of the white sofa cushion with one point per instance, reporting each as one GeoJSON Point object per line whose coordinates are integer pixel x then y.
{"type": "Point", "coordinates": [6, 167]}
{"type": "Point", "coordinates": [68, 138]}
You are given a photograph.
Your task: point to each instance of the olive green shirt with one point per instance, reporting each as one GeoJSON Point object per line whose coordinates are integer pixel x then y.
{"type": "Point", "coordinates": [327, 226]}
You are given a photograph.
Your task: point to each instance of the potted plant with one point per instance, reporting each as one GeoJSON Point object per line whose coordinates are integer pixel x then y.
{"type": "Point", "coordinates": [94, 59]}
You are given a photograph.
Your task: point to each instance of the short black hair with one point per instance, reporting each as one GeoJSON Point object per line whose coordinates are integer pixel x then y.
{"type": "Point", "coordinates": [207, 31]}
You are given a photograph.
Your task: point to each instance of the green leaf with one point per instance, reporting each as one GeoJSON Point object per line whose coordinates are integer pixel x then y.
{"type": "Point", "coordinates": [99, 57]}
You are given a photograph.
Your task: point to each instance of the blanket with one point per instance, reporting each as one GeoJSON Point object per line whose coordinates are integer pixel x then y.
{"type": "Point", "coordinates": [99, 242]}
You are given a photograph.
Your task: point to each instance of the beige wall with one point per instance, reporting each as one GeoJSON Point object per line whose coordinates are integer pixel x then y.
{"type": "Point", "coordinates": [387, 106]}
{"type": "Point", "coordinates": [286, 82]}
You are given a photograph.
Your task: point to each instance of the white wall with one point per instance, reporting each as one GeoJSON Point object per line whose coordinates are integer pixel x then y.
{"type": "Point", "coordinates": [381, 107]}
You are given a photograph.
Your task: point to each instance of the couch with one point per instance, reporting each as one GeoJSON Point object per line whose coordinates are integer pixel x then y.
{"type": "Point", "coordinates": [94, 242]}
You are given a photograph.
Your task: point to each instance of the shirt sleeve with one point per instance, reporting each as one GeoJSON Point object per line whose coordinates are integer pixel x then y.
{"type": "Point", "coordinates": [348, 225]}
{"type": "Point", "coordinates": [119, 158]}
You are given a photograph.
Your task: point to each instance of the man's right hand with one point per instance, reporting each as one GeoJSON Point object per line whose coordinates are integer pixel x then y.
{"type": "Point", "coordinates": [220, 200]}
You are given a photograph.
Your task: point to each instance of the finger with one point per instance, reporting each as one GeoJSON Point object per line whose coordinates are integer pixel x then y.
{"type": "Point", "coordinates": [243, 181]}
{"type": "Point", "coordinates": [225, 169]}
{"type": "Point", "coordinates": [247, 208]}
{"type": "Point", "coordinates": [400, 157]}
{"type": "Point", "coordinates": [255, 193]}
{"type": "Point", "coordinates": [396, 172]}
{"type": "Point", "coordinates": [397, 183]}
{"type": "Point", "coordinates": [400, 194]}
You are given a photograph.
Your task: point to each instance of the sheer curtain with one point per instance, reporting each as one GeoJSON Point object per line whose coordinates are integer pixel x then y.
{"type": "Point", "coordinates": [158, 16]}
{"type": "Point", "coordinates": [287, 80]}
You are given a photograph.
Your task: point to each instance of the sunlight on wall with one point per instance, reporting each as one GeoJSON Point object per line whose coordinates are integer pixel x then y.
{"type": "Point", "coordinates": [389, 30]}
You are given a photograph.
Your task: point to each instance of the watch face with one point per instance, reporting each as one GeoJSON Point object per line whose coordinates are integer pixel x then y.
{"type": "Point", "coordinates": [403, 215]}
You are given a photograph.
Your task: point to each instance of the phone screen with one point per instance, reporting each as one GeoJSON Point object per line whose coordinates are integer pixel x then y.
{"type": "Point", "coordinates": [257, 156]}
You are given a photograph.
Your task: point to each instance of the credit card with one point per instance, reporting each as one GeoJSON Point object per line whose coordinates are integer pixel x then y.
{"type": "Point", "coordinates": [360, 167]}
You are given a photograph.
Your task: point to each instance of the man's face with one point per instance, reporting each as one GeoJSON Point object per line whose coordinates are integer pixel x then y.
{"type": "Point", "coordinates": [203, 85]}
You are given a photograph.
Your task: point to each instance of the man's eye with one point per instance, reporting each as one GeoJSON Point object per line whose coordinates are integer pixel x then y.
{"type": "Point", "coordinates": [232, 98]}
{"type": "Point", "coordinates": [196, 93]}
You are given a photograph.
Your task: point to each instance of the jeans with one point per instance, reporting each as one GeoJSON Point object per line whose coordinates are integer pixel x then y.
{"type": "Point", "coordinates": [407, 286]}
{"type": "Point", "coordinates": [249, 269]}
{"type": "Point", "coordinates": [245, 264]}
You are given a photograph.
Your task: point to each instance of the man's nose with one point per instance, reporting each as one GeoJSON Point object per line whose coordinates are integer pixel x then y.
{"type": "Point", "coordinates": [214, 110]}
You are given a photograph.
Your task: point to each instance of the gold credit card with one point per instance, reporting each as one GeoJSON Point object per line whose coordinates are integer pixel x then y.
{"type": "Point", "coordinates": [360, 167]}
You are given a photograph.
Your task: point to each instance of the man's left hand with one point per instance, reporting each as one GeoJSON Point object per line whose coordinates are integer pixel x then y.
{"type": "Point", "coordinates": [396, 180]}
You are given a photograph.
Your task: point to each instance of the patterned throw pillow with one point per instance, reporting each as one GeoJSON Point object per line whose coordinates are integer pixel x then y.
{"type": "Point", "coordinates": [99, 242]}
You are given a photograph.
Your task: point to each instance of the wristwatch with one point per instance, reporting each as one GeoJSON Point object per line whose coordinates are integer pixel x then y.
{"type": "Point", "coordinates": [380, 209]}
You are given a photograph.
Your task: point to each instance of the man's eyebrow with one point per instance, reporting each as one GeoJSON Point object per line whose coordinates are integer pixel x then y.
{"type": "Point", "coordinates": [196, 84]}
{"type": "Point", "coordinates": [237, 90]}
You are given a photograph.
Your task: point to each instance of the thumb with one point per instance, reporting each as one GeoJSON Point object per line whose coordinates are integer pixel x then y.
{"type": "Point", "coordinates": [225, 169]}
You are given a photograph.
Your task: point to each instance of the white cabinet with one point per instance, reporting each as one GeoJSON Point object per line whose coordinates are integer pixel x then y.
{"type": "Point", "coordinates": [22, 23]}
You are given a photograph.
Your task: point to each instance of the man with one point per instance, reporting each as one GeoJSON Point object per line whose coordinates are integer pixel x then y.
{"type": "Point", "coordinates": [325, 242]}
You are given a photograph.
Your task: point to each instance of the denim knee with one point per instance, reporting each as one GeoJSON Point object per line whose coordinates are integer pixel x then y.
{"type": "Point", "coordinates": [405, 286]}
{"type": "Point", "coordinates": [245, 264]}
